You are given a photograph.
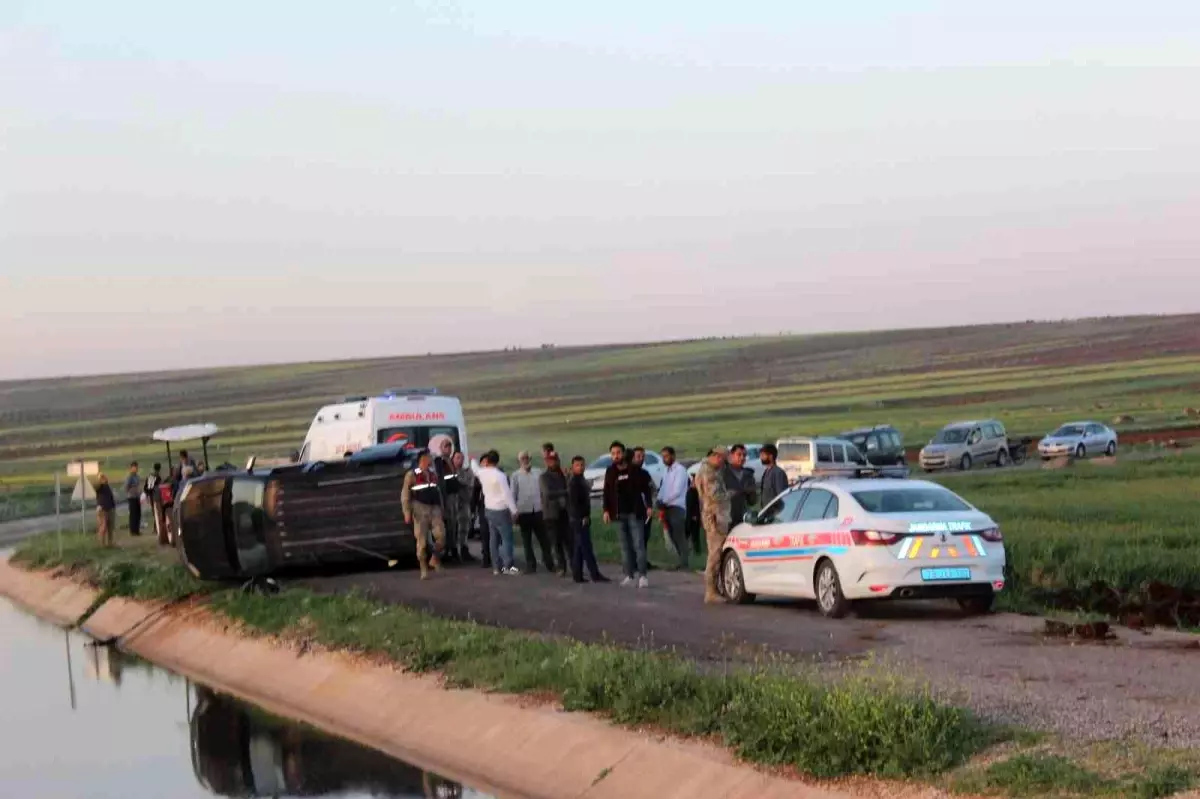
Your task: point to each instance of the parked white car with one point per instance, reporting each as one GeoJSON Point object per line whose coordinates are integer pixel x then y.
{"type": "Point", "coordinates": [841, 540]}
{"type": "Point", "coordinates": [595, 471]}
{"type": "Point", "coordinates": [1079, 439]}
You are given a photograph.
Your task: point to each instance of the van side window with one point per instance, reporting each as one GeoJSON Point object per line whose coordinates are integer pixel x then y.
{"type": "Point", "coordinates": [872, 442]}
{"type": "Point", "coordinates": [854, 456]}
{"type": "Point", "coordinates": [839, 454]}
{"type": "Point", "coordinates": [824, 453]}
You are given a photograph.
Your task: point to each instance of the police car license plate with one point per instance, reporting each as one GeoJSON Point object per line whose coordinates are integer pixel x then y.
{"type": "Point", "coordinates": [932, 575]}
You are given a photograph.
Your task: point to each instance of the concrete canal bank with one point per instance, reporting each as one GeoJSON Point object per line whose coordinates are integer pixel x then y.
{"type": "Point", "coordinates": [499, 744]}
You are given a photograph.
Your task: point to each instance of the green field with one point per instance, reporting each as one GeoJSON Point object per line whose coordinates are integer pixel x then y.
{"type": "Point", "coordinates": [688, 394]}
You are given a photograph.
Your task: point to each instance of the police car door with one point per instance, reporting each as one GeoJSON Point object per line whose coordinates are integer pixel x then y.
{"type": "Point", "coordinates": [764, 545]}
{"type": "Point", "coordinates": [814, 534]}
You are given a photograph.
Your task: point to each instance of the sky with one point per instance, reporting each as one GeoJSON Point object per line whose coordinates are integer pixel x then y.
{"type": "Point", "coordinates": [188, 185]}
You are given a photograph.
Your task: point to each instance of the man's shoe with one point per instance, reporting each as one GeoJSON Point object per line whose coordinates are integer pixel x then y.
{"type": "Point", "coordinates": [643, 582]}
{"type": "Point", "coordinates": [628, 581]}
{"type": "Point", "coordinates": [513, 571]}
{"type": "Point", "coordinates": [600, 578]}
{"type": "Point", "coordinates": [496, 572]}
{"type": "Point", "coordinates": [465, 555]}
{"type": "Point", "coordinates": [435, 563]}
{"type": "Point", "coordinates": [562, 572]}
{"type": "Point", "coordinates": [579, 579]}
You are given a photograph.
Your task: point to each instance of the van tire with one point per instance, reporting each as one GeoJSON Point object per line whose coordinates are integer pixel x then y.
{"type": "Point", "coordinates": [1111, 449]}
{"type": "Point", "coordinates": [965, 464]}
{"type": "Point", "coordinates": [1081, 452]}
{"type": "Point", "coordinates": [1002, 458]}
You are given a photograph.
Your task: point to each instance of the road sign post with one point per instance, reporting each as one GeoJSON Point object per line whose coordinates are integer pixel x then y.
{"type": "Point", "coordinates": [58, 511]}
{"type": "Point", "coordinates": [83, 489]}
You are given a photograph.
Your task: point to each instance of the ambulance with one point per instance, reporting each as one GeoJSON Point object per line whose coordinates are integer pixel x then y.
{"type": "Point", "coordinates": [411, 417]}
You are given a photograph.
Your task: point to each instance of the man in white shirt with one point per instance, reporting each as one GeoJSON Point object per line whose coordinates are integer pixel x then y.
{"type": "Point", "coordinates": [527, 491]}
{"type": "Point", "coordinates": [672, 501]}
{"type": "Point", "coordinates": [500, 508]}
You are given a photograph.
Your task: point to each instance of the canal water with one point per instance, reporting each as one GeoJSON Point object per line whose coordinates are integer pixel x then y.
{"type": "Point", "coordinates": [85, 721]}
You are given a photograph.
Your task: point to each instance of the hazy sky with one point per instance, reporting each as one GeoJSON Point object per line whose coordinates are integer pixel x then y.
{"type": "Point", "coordinates": [186, 184]}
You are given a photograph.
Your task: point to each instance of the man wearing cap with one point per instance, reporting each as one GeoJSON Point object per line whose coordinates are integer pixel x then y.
{"type": "Point", "coordinates": [421, 499]}
{"type": "Point", "coordinates": [714, 517]}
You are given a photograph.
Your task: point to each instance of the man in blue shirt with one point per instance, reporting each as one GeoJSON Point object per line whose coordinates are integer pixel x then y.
{"type": "Point", "coordinates": [672, 502]}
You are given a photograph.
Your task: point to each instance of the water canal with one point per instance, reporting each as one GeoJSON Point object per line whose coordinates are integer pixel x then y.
{"type": "Point", "coordinates": [86, 721]}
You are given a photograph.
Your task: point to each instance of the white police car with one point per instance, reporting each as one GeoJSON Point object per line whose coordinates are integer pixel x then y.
{"type": "Point", "coordinates": [843, 540]}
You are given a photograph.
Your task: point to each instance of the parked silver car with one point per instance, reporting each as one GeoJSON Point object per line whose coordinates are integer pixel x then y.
{"type": "Point", "coordinates": [1079, 439]}
{"type": "Point", "coordinates": [963, 444]}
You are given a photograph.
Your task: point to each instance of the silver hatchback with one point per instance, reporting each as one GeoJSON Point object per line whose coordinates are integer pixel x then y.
{"type": "Point", "coordinates": [963, 444]}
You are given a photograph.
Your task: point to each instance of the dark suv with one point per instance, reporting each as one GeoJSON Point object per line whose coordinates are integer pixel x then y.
{"type": "Point", "coordinates": [881, 445]}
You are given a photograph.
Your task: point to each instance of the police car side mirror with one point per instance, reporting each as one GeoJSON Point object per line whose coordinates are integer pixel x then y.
{"type": "Point", "coordinates": [750, 517]}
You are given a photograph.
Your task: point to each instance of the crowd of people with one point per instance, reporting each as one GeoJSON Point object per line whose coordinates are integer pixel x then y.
{"type": "Point", "coordinates": [446, 500]}
{"type": "Point", "coordinates": [156, 492]}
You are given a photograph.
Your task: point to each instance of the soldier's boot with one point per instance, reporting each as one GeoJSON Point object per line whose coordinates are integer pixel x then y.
{"type": "Point", "coordinates": [711, 597]}
{"type": "Point", "coordinates": [435, 562]}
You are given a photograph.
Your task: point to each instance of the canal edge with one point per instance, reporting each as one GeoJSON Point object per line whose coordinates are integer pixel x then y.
{"type": "Point", "coordinates": [527, 751]}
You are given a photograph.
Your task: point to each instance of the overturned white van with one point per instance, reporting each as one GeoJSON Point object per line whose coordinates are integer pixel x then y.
{"type": "Point", "coordinates": [406, 416]}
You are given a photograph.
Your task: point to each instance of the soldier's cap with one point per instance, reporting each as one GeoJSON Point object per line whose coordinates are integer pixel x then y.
{"type": "Point", "coordinates": [718, 451]}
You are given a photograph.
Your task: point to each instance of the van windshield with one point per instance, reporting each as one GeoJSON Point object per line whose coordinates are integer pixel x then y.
{"type": "Point", "coordinates": [795, 452]}
{"type": "Point", "coordinates": [417, 436]}
{"type": "Point", "coordinates": [951, 435]}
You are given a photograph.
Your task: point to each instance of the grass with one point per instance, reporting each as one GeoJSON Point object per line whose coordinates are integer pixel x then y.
{"type": "Point", "coordinates": [1103, 771]}
{"type": "Point", "coordinates": [1079, 534]}
{"type": "Point", "coordinates": [863, 725]}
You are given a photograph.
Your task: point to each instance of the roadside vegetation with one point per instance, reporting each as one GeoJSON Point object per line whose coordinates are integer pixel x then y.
{"type": "Point", "coordinates": [1120, 540]}
{"type": "Point", "coordinates": [870, 723]}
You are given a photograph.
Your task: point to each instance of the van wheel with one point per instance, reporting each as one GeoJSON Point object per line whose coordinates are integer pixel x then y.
{"type": "Point", "coordinates": [1002, 459]}
{"type": "Point", "coordinates": [977, 605]}
{"type": "Point", "coordinates": [830, 600]}
{"type": "Point", "coordinates": [733, 586]}
{"type": "Point", "coordinates": [965, 463]}
{"type": "Point", "coordinates": [1111, 449]}
{"type": "Point", "coordinates": [1081, 451]}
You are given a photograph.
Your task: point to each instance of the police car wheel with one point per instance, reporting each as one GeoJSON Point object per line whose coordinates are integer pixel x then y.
{"type": "Point", "coordinates": [830, 600]}
{"type": "Point", "coordinates": [733, 586]}
{"type": "Point", "coordinates": [1111, 449]}
{"type": "Point", "coordinates": [1081, 451]}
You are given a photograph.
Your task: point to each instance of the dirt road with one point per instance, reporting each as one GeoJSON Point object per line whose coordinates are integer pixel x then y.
{"type": "Point", "coordinates": [1142, 685]}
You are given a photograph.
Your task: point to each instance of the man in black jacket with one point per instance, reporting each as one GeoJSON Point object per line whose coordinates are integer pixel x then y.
{"type": "Point", "coordinates": [628, 500]}
{"type": "Point", "coordinates": [448, 480]}
{"type": "Point", "coordinates": [774, 480]}
{"type": "Point", "coordinates": [739, 481]}
{"type": "Point", "coordinates": [579, 512]}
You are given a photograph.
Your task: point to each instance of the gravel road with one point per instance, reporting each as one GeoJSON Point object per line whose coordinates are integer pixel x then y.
{"type": "Point", "coordinates": [1144, 685]}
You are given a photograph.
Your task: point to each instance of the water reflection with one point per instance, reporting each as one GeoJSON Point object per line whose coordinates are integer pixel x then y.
{"type": "Point", "coordinates": [127, 728]}
{"type": "Point", "coordinates": [241, 751]}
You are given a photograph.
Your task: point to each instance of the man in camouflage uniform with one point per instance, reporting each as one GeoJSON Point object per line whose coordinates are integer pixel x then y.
{"type": "Point", "coordinates": [421, 499]}
{"type": "Point", "coordinates": [714, 516]}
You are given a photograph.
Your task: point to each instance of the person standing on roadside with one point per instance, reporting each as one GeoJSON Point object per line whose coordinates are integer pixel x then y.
{"type": "Point", "coordinates": [693, 515]}
{"type": "Point", "coordinates": [153, 492]}
{"type": "Point", "coordinates": [672, 499]}
{"type": "Point", "coordinates": [477, 505]}
{"type": "Point", "coordinates": [106, 511]}
{"type": "Point", "coordinates": [133, 498]}
{"type": "Point", "coordinates": [638, 461]}
{"type": "Point", "coordinates": [462, 504]}
{"type": "Point", "coordinates": [627, 501]}
{"type": "Point", "coordinates": [553, 484]}
{"type": "Point", "coordinates": [739, 481]}
{"type": "Point", "coordinates": [774, 480]}
{"type": "Point", "coordinates": [421, 499]}
{"type": "Point", "coordinates": [547, 448]}
{"type": "Point", "coordinates": [715, 517]}
{"type": "Point", "coordinates": [579, 510]}
{"type": "Point", "coordinates": [501, 510]}
{"type": "Point", "coordinates": [448, 479]}
{"type": "Point", "coordinates": [527, 491]}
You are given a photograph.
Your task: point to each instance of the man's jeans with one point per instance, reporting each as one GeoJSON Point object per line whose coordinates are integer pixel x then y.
{"type": "Point", "coordinates": [676, 524]}
{"type": "Point", "coordinates": [631, 531]}
{"type": "Point", "coordinates": [500, 534]}
{"type": "Point", "coordinates": [583, 554]}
